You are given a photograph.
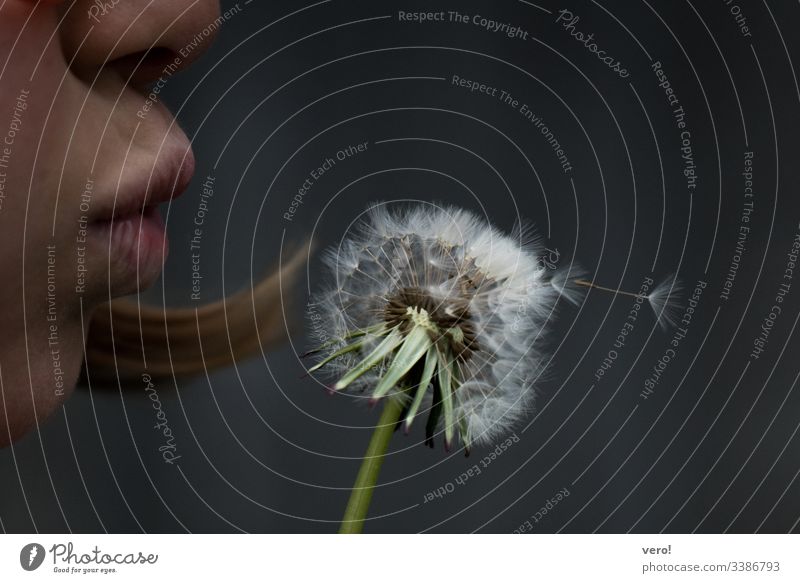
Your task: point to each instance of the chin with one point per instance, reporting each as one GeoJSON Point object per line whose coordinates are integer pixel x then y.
{"type": "Point", "coordinates": [18, 415]}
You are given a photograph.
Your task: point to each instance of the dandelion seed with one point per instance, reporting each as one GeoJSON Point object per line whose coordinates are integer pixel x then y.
{"type": "Point", "coordinates": [664, 300]}
{"type": "Point", "coordinates": [439, 311]}
{"type": "Point", "coordinates": [564, 282]}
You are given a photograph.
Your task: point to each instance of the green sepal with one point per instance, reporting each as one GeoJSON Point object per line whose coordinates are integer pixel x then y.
{"type": "Point", "coordinates": [337, 354]}
{"type": "Point", "coordinates": [465, 436]}
{"type": "Point", "coordinates": [377, 329]}
{"type": "Point", "coordinates": [392, 340]}
{"type": "Point", "coordinates": [416, 343]}
{"type": "Point", "coordinates": [446, 386]}
{"type": "Point", "coordinates": [427, 374]}
{"type": "Point", "coordinates": [434, 415]}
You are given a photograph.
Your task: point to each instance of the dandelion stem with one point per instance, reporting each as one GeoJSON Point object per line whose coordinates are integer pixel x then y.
{"type": "Point", "coordinates": [360, 497]}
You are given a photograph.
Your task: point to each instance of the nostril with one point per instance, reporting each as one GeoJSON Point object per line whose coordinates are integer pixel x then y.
{"type": "Point", "coordinates": [142, 68]}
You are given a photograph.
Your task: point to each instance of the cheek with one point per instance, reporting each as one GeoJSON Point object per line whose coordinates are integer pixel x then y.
{"type": "Point", "coordinates": [34, 188]}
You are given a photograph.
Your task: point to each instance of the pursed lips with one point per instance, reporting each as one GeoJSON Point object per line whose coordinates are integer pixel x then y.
{"type": "Point", "coordinates": [168, 180]}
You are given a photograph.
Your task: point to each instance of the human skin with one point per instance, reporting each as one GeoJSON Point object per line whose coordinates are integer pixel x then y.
{"type": "Point", "coordinates": [76, 140]}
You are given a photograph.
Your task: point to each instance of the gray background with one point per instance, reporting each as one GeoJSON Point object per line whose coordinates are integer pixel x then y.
{"type": "Point", "coordinates": [265, 450]}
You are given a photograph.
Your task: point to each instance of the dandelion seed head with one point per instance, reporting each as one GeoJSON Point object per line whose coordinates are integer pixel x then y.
{"type": "Point", "coordinates": [437, 286]}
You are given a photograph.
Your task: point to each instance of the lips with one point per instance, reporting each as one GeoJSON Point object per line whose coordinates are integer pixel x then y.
{"type": "Point", "coordinates": [169, 178]}
{"type": "Point", "coordinates": [130, 226]}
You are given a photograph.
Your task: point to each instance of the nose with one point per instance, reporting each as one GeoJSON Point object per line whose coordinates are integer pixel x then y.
{"type": "Point", "coordinates": [138, 38]}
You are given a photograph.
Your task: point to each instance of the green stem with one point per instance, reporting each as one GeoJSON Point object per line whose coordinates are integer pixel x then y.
{"type": "Point", "coordinates": [360, 497]}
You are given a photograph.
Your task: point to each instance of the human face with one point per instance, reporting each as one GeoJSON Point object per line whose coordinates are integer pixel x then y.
{"type": "Point", "coordinates": [85, 158]}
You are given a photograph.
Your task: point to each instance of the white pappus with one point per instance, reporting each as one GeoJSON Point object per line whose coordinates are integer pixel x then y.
{"type": "Point", "coordinates": [437, 308]}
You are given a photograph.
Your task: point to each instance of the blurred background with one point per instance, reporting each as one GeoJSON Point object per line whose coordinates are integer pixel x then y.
{"type": "Point", "coordinates": [700, 438]}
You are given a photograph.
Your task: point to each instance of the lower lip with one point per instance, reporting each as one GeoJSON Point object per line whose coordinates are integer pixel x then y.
{"type": "Point", "coordinates": [137, 242]}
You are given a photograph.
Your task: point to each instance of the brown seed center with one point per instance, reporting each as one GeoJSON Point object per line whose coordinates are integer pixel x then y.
{"type": "Point", "coordinates": [447, 314]}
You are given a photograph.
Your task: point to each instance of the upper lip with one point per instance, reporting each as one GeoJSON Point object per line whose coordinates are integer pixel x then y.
{"type": "Point", "coordinates": [170, 176]}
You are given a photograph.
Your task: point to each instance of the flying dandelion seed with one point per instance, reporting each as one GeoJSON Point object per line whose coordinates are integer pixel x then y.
{"type": "Point", "coordinates": [565, 283]}
{"type": "Point", "coordinates": [437, 309]}
{"type": "Point", "coordinates": [664, 300]}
